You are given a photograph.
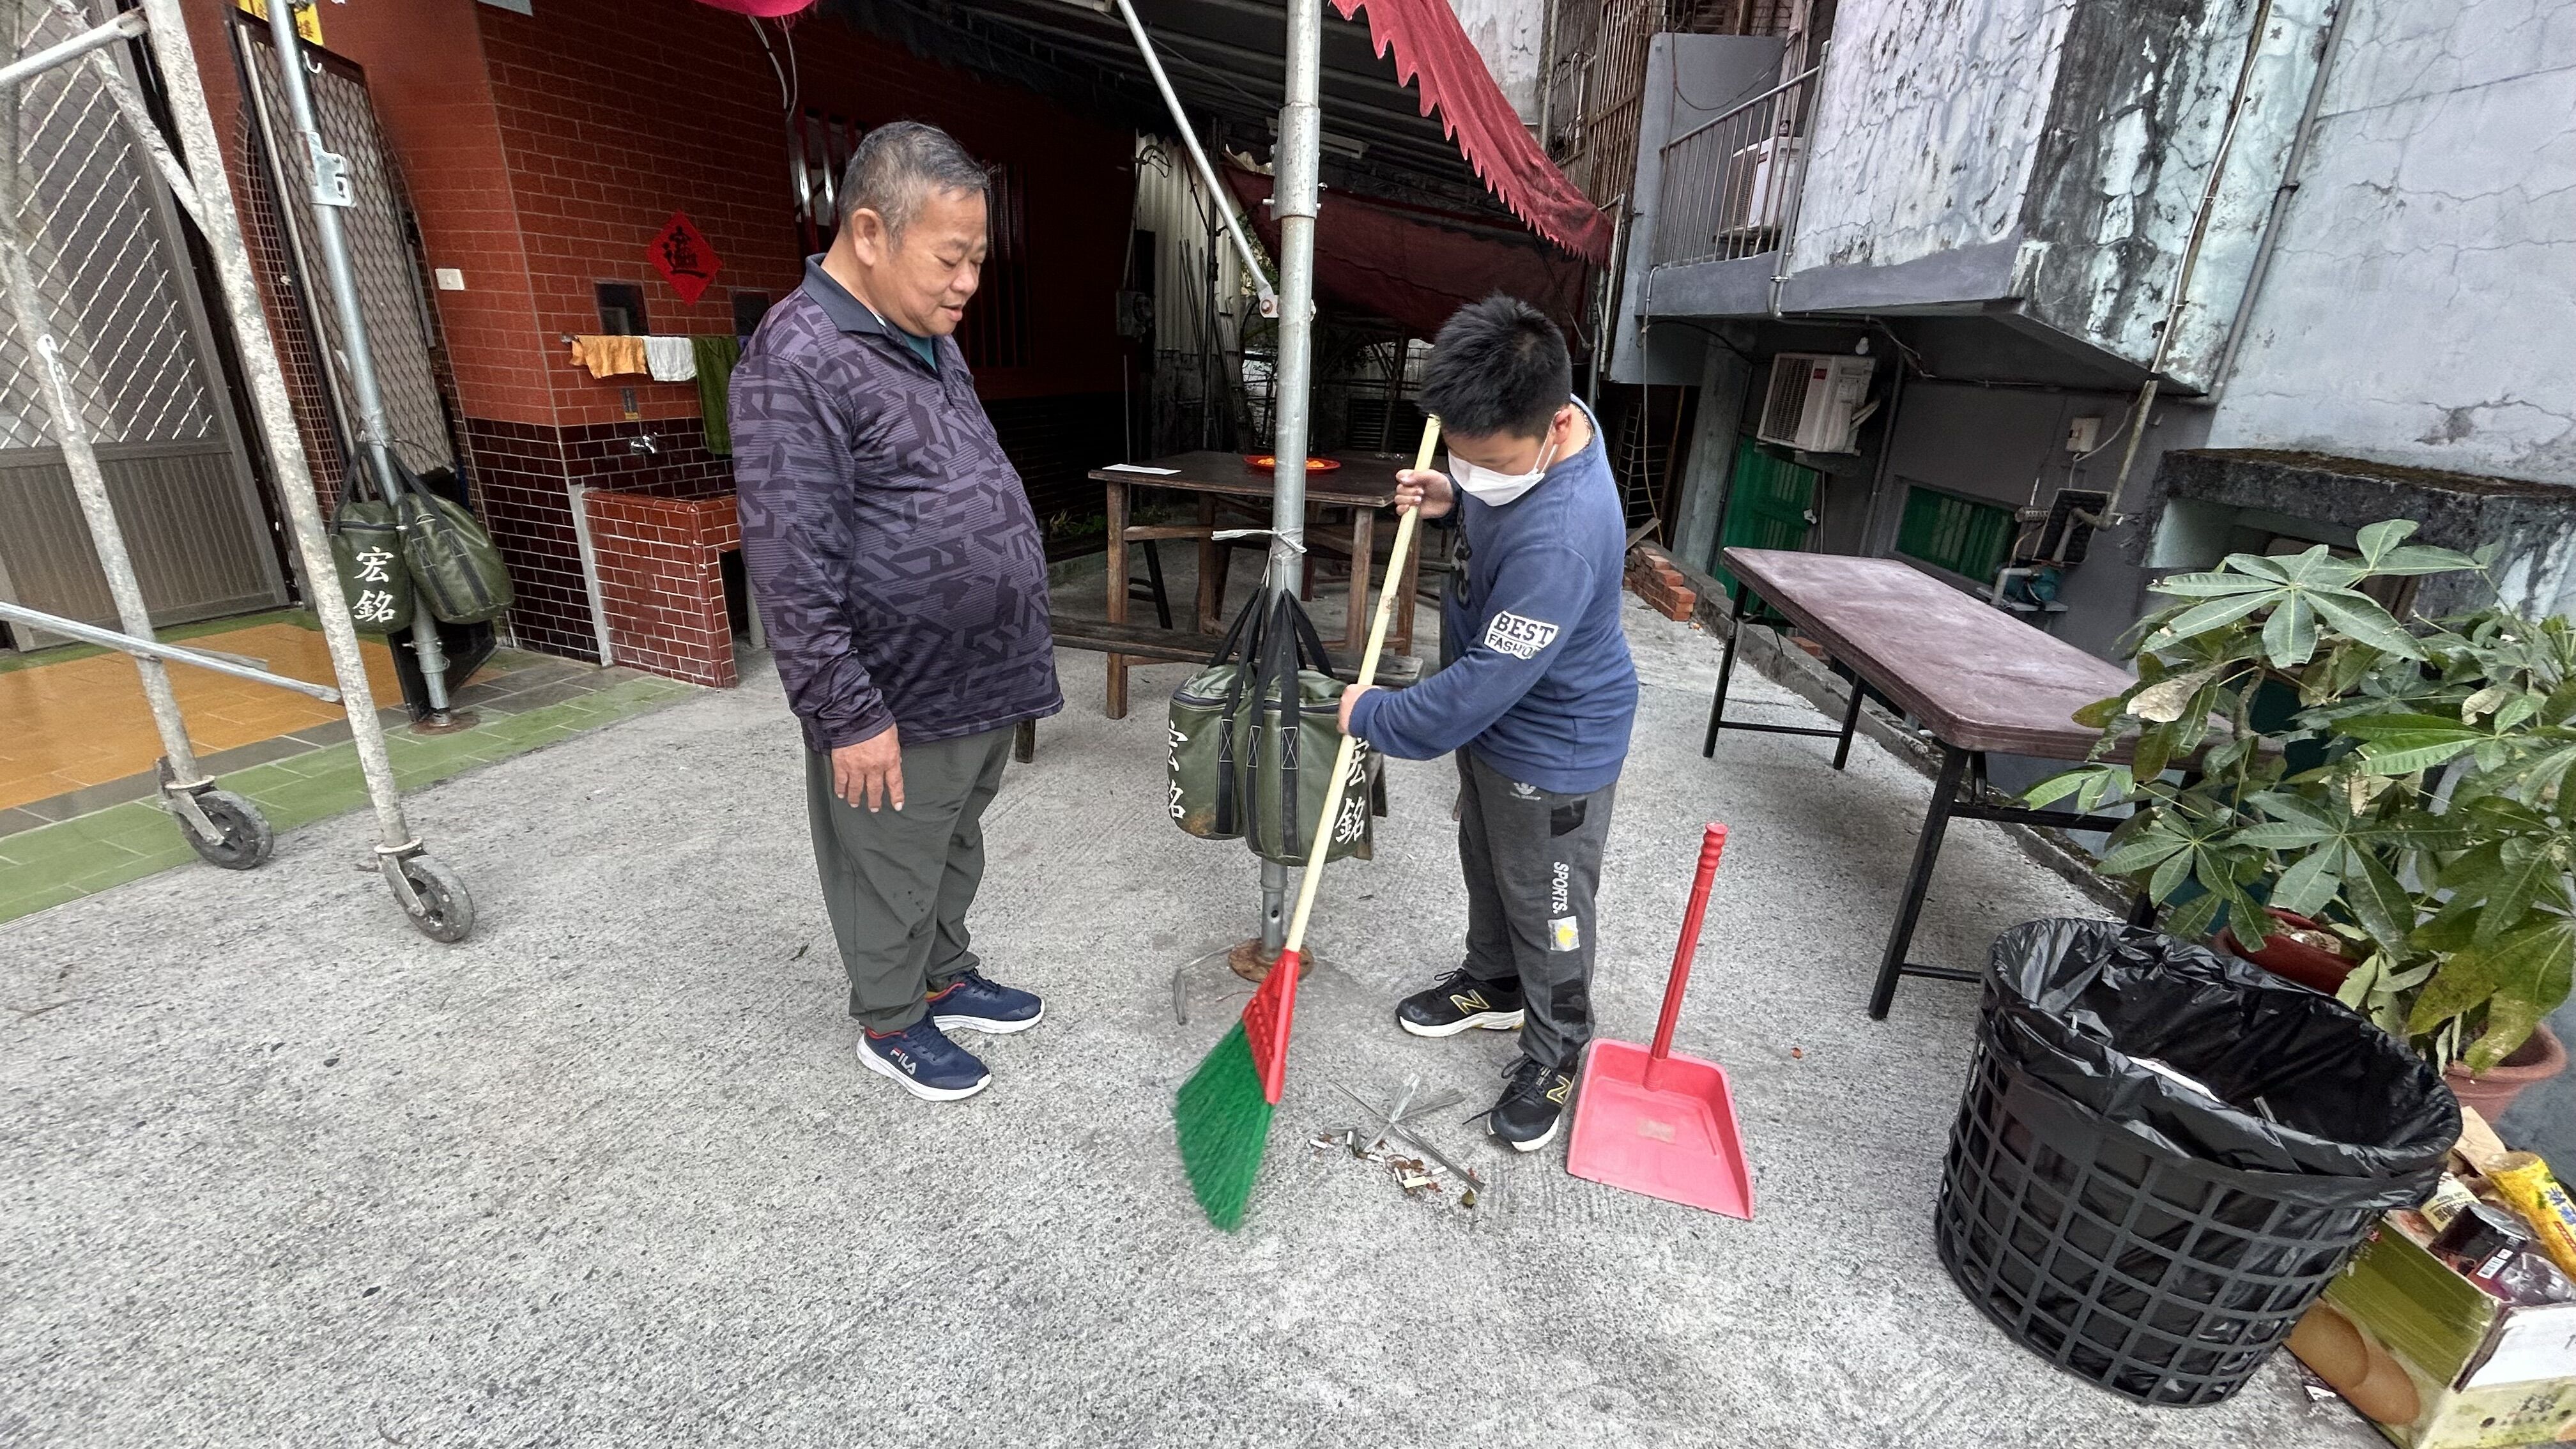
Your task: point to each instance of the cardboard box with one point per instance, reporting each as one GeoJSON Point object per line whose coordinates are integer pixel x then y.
{"type": "Point", "coordinates": [2433, 1360]}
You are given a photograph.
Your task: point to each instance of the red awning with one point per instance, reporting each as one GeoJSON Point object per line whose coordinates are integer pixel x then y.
{"type": "Point", "coordinates": [1433, 54]}
{"type": "Point", "coordinates": [1416, 265]}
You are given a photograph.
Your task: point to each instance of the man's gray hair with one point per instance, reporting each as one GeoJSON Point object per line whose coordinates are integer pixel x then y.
{"type": "Point", "coordinates": [897, 167]}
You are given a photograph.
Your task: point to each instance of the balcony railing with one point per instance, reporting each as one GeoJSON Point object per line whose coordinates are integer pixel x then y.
{"type": "Point", "coordinates": [1730, 185]}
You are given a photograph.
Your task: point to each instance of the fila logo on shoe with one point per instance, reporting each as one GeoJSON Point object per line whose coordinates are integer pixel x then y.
{"type": "Point", "coordinates": [1519, 637]}
{"type": "Point", "coordinates": [904, 1060]}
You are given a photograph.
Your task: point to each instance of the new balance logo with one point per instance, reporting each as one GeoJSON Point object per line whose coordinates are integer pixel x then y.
{"type": "Point", "coordinates": [1563, 1089]}
{"type": "Point", "coordinates": [1470, 1002]}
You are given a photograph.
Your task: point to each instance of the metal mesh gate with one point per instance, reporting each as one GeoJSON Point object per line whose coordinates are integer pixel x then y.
{"type": "Point", "coordinates": [103, 244]}
{"type": "Point", "coordinates": [398, 316]}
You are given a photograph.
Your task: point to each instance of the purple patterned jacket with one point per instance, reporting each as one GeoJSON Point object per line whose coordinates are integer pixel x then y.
{"type": "Point", "coordinates": [899, 570]}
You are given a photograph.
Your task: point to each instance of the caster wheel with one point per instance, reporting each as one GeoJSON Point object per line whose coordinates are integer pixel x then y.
{"type": "Point", "coordinates": [446, 911]}
{"type": "Point", "coordinates": [246, 841]}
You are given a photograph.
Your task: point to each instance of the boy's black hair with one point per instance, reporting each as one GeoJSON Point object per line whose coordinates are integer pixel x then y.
{"type": "Point", "coordinates": [1498, 366]}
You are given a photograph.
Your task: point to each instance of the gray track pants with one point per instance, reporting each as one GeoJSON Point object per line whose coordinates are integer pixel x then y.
{"type": "Point", "coordinates": [1532, 859]}
{"type": "Point", "coordinates": [897, 882]}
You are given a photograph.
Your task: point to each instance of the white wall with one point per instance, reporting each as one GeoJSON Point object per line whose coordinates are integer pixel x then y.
{"type": "Point", "coordinates": [1508, 34]}
{"type": "Point", "coordinates": [1929, 119]}
{"type": "Point", "coordinates": [1170, 202]}
{"type": "Point", "coordinates": [2421, 306]}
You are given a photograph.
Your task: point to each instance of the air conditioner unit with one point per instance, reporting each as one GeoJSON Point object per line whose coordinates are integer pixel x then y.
{"type": "Point", "coordinates": [1755, 183]}
{"type": "Point", "coordinates": [1817, 401]}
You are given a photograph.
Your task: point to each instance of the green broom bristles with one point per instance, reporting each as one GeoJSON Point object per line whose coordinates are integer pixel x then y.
{"type": "Point", "coordinates": [1223, 1122]}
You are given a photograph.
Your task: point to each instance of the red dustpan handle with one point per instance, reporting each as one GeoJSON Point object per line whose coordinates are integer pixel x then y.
{"type": "Point", "coordinates": [1711, 847]}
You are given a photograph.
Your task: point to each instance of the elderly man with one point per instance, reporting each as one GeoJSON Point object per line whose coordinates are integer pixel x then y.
{"type": "Point", "coordinates": [903, 582]}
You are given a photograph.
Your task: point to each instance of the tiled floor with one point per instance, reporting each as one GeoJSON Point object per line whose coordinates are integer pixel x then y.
{"type": "Point", "coordinates": [99, 835]}
{"type": "Point", "coordinates": [80, 722]}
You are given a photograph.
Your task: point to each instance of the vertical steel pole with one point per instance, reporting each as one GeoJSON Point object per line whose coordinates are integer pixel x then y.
{"type": "Point", "coordinates": [375, 432]}
{"type": "Point", "coordinates": [1294, 163]}
{"type": "Point", "coordinates": [266, 380]}
{"type": "Point", "coordinates": [89, 484]}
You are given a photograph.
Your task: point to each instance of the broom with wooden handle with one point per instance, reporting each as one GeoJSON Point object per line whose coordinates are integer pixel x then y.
{"type": "Point", "coordinates": [1222, 1115]}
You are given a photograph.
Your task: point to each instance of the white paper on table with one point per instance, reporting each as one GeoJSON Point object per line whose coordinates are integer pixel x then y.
{"type": "Point", "coordinates": [1139, 468]}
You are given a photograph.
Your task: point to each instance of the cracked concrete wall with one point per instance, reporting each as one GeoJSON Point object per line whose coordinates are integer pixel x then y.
{"type": "Point", "coordinates": [2142, 101]}
{"type": "Point", "coordinates": [2420, 301]}
{"type": "Point", "coordinates": [1926, 126]}
{"type": "Point", "coordinates": [1507, 33]}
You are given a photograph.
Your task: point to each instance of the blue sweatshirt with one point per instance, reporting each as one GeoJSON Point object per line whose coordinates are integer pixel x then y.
{"type": "Point", "coordinates": [1538, 682]}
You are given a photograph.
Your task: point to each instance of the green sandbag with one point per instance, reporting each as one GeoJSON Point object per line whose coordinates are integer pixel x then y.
{"type": "Point", "coordinates": [367, 549]}
{"type": "Point", "coordinates": [454, 564]}
{"type": "Point", "coordinates": [1228, 773]}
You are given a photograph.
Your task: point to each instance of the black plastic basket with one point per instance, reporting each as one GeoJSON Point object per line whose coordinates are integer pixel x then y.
{"type": "Point", "coordinates": [2153, 1275]}
{"type": "Point", "coordinates": [2125, 1238]}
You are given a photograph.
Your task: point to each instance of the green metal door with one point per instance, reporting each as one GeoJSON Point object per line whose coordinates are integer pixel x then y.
{"type": "Point", "coordinates": [1770, 504]}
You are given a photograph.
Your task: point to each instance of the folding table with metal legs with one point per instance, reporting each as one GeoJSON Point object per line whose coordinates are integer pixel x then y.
{"type": "Point", "coordinates": [1975, 679]}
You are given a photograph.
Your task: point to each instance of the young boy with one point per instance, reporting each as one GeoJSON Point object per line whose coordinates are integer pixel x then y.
{"type": "Point", "coordinates": [1535, 693]}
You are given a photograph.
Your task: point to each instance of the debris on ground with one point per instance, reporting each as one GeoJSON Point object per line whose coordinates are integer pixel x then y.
{"type": "Point", "coordinates": [1416, 1177]}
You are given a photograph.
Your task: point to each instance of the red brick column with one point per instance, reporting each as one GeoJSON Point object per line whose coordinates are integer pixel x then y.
{"type": "Point", "coordinates": [661, 582]}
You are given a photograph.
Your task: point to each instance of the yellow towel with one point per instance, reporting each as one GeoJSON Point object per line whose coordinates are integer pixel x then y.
{"type": "Point", "coordinates": [609, 356]}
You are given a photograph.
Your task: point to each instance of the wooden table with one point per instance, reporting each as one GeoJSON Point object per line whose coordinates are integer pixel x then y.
{"type": "Point", "coordinates": [1364, 484]}
{"type": "Point", "coordinates": [1973, 676]}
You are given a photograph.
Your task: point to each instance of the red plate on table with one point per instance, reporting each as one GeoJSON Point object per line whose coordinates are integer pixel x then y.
{"type": "Point", "coordinates": [1269, 463]}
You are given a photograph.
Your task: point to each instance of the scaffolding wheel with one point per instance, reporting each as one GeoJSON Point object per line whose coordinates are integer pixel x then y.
{"type": "Point", "coordinates": [446, 911]}
{"type": "Point", "coordinates": [243, 841]}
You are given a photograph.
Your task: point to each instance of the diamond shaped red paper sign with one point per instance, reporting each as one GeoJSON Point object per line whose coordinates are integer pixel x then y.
{"type": "Point", "coordinates": [685, 259]}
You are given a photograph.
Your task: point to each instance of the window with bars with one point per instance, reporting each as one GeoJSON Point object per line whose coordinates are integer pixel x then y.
{"type": "Point", "coordinates": [1962, 535]}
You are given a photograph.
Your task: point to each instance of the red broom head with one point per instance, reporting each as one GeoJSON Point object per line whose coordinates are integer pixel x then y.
{"type": "Point", "coordinates": [1266, 1018]}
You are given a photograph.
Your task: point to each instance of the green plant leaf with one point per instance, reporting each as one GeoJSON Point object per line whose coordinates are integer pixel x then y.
{"type": "Point", "coordinates": [2210, 585]}
{"type": "Point", "coordinates": [2362, 981]}
{"type": "Point", "coordinates": [2383, 907]}
{"type": "Point", "coordinates": [2143, 852]}
{"type": "Point", "coordinates": [2463, 984]}
{"type": "Point", "coordinates": [2377, 539]}
{"type": "Point", "coordinates": [2191, 920]}
{"type": "Point", "coordinates": [2360, 616]}
{"type": "Point", "coordinates": [2218, 613]}
{"type": "Point", "coordinates": [2261, 566]}
{"type": "Point", "coordinates": [2056, 787]}
{"type": "Point", "coordinates": [2396, 726]}
{"type": "Point", "coordinates": [2290, 635]}
{"type": "Point", "coordinates": [2154, 750]}
{"type": "Point", "coordinates": [2309, 883]}
{"type": "Point", "coordinates": [2509, 891]}
{"type": "Point", "coordinates": [2099, 714]}
{"type": "Point", "coordinates": [2164, 701]}
{"type": "Point", "coordinates": [2284, 835]}
{"type": "Point", "coordinates": [2406, 754]}
{"type": "Point", "coordinates": [2424, 559]}
{"type": "Point", "coordinates": [2509, 1023]}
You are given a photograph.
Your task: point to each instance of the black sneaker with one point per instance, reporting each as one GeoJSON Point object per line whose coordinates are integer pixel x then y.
{"type": "Point", "coordinates": [1458, 1001]}
{"type": "Point", "coordinates": [1533, 1102]}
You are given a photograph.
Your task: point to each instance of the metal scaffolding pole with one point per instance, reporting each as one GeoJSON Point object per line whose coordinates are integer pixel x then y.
{"type": "Point", "coordinates": [375, 431]}
{"type": "Point", "coordinates": [1295, 161]}
{"type": "Point", "coordinates": [431, 895]}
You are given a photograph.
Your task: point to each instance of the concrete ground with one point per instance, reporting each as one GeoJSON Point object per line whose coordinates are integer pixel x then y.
{"type": "Point", "coordinates": [279, 1171]}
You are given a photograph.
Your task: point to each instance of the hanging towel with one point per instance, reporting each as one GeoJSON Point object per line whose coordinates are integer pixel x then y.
{"type": "Point", "coordinates": [671, 359]}
{"type": "Point", "coordinates": [609, 356]}
{"type": "Point", "coordinates": [716, 353]}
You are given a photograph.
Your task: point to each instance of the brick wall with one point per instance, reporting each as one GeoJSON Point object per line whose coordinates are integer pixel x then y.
{"type": "Point", "coordinates": [1653, 578]}
{"type": "Point", "coordinates": [543, 152]}
{"type": "Point", "coordinates": [661, 582]}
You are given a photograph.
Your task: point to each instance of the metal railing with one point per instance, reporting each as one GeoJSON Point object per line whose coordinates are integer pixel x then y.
{"type": "Point", "coordinates": [1730, 184]}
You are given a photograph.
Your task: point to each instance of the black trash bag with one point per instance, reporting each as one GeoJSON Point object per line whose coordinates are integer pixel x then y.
{"type": "Point", "coordinates": [2305, 1085]}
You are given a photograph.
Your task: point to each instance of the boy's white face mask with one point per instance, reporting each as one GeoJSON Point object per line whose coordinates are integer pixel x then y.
{"type": "Point", "coordinates": [1497, 489]}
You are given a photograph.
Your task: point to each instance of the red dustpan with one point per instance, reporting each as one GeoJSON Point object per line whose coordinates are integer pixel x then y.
{"type": "Point", "coordinates": [1660, 1124]}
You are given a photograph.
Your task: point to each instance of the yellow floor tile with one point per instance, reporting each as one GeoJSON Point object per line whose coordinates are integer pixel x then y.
{"type": "Point", "coordinates": [83, 721]}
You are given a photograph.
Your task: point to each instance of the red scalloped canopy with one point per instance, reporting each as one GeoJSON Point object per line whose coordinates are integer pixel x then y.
{"type": "Point", "coordinates": [1433, 54]}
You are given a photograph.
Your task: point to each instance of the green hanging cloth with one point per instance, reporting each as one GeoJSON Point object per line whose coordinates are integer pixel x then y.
{"type": "Point", "coordinates": [717, 353]}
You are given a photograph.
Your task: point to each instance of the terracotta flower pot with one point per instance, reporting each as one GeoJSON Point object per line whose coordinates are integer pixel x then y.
{"type": "Point", "coordinates": [2493, 1090]}
{"type": "Point", "coordinates": [2318, 970]}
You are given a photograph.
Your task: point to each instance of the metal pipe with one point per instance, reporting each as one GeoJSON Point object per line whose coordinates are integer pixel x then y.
{"type": "Point", "coordinates": [266, 380]}
{"type": "Point", "coordinates": [2190, 258]}
{"type": "Point", "coordinates": [1189, 138]}
{"type": "Point", "coordinates": [1724, 116]}
{"type": "Point", "coordinates": [1295, 160]}
{"type": "Point", "coordinates": [2291, 166]}
{"type": "Point", "coordinates": [1604, 330]}
{"type": "Point", "coordinates": [1798, 192]}
{"type": "Point", "coordinates": [155, 649]}
{"type": "Point", "coordinates": [123, 27]}
{"type": "Point", "coordinates": [70, 428]}
{"type": "Point", "coordinates": [330, 192]}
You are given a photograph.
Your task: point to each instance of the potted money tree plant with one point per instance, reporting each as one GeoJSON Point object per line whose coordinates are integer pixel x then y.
{"type": "Point", "coordinates": [2308, 770]}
